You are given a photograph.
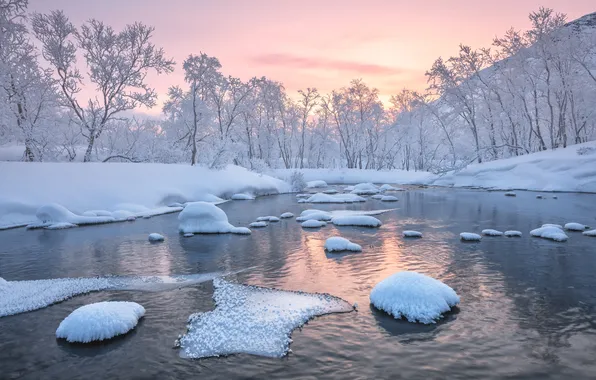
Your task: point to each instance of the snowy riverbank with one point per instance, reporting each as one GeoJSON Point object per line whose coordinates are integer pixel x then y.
{"type": "Point", "coordinates": [355, 176]}
{"type": "Point", "coordinates": [141, 189]}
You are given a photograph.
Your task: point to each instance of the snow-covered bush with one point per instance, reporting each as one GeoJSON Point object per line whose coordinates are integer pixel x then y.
{"type": "Point", "coordinates": [297, 181]}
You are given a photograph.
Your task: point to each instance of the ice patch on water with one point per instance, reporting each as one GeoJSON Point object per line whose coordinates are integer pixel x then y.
{"type": "Point", "coordinates": [253, 320]}
{"type": "Point", "coordinates": [22, 296]}
{"type": "Point", "coordinates": [100, 321]}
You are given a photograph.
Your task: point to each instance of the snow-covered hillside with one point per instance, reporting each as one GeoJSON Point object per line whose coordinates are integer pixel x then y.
{"type": "Point", "coordinates": [24, 187]}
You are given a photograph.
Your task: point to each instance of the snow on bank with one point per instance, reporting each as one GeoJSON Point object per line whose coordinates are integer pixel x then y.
{"type": "Point", "coordinates": [22, 296]}
{"type": "Point", "coordinates": [355, 176]}
{"type": "Point", "coordinates": [553, 170]}
{"type": "Point", "coordinates": [142, 189]}
{"type": "Point", "coordinates": [337, 198]}
{"type": "Point", "coordinates": [337, 243]}
{"type": "Point", "coordinates": [100, 321]}
{"type": "Point", "coordinates": [413, 296]}
{"type": "Point", "coordinates": [253, 320]}
{"type": "Point", "coordinates": [206, 218]}
{"type": "Point", "coordinates": [316, 184]}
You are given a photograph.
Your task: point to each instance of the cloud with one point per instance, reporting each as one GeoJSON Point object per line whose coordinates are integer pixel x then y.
{"type": "Point", "coordinates": [311, 63]}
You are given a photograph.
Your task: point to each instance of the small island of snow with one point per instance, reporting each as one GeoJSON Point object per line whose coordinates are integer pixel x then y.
{"type": "Point", "coordinates": [313, 224]}
{"type": "Point", "coordinates": [513, 233]}
{"type": "Point", "coordinates": [491, 232]}
{"type": "Point", "coordinates": [576, 227]}
{"type": "Point", "coordinates": [155, 237]}
{"type": "Point", "coordinates": [357, 220]}
{"type": "Point", "coordinates": [204, 218]}
{"type": "Point", "coordinates": [337, 243]}
{"type": "Point", "coordinates": [260, 224]}
{"type": "Point", "coordinates": [550, 232]}
{"type": "Point", "coordinates": [468, 236]}
{"type": "Point", "coordinates": [412, 234]}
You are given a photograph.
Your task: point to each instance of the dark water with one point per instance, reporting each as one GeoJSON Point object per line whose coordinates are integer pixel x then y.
{"type": "Point", "coordinates": [528, 307]}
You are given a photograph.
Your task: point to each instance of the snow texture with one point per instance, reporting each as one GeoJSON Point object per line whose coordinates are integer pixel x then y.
{"type": "Point", "coordinates": [142, 189]}
{"type": "Point", "coordinates": [22, 296]}
{"type": "Point", "coordinates": [591, 233]}
{"type": "Point", "coordinates": [389, 198]}
{"type": "Point", "coordinates": [154, 237]}
{"type": "Point", "coordinates": [550, 232]}
{"type": "Point", "coordinates": [100, 321]}
{"type": "Point", "coordinates": [316, 184]}
{"type": "Point", "coordinates": [337, 243]}
{"type": "Point", "coordinates": [576, 227]}
{"type": "Point", "coordinates": [468, 236]}
{"type": "Point", "coordinates": [491, 232]}
{"type": "Point", "coordinates": [204, 218]}
{"type": "Point", "coordinates": [258, 224]}
{"type": "Point", "coordinates": [253, 320]}
{"type": "Point", "coordinates": [513, 233]}
{"type": "Point", "coordinates": [356, 220]}
{"type": "Point", "coordinates": [243, 197]}
{"type": "Point", "coordinates": [313, 224]}
{"type": "Point", "coordinates": [337, 198]}
{"type": "Point", "coordinates": [286, 215]}
{"type": "Point", "coordinates": [414, 296]}
{"type": "Point", "coordinates": [412, 234]}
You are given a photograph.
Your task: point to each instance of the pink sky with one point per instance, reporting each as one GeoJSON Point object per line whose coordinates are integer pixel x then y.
{"type": "Point", "coordinates": [317, 43]}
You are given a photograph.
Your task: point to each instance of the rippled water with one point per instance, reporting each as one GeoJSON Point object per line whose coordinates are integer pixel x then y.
{"type": "Point", "coordinates": [527, 311]}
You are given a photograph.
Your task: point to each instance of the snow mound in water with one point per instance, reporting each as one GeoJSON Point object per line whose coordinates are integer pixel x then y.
{"type": "Point", "coordinates": [330, 191]}
{"type": "Point", "coordinates": [338, 198]}
{"type": "Point", "coordinates": [553, 225]}
{"type": "Point", "coordinates": [513, 233]}
{"type": "Point", "coordinates": [188, 235]}
{"type": "Point", "coordinates": [316, 184]}
{"type": "Point", "coordinates": [491, 232]}
{"type": "Point", "coordinates": [413, 234]}
{"type": "Point", "coordinates": [60, 226]}
{"type": "Point", "coordinates": [413, 296]}
{"type": "Point", "coordinates": [313, 224]}
{"type": "Point", "coordinates": [550, 232]}
{"type": "Point", "coordinates": [356, 220]}
{"type": "Point", "coordinates": [322, 215]}
{"type": "Point", "coordinates": [242, 197]}
{"type": "Point", "coordinates": [303, 195]}
{"type": "Point", "coordinates": [100, 321]}
{"type": "Point", "coordinates": [349, 188]}
{"type": "Point", "coordinates": [258, 224]}
{"type": "Point", "coordinates": [365, 189]}
{"type": "Point", "coordinates": [576, 227]}
{"type": "Point", "coordinates": [590, 233]}
{"type": "Point", "coordinates": [286, 215]}
{"type": "Point", "coordinates": [510, 194]}
{"type": "Point", "coordinates": [268, 219]}
{"type": "Point", "coordinates": [253, 320]}
{"type": "Point", "coordinates": [156, 237]}
{"type": "Point", "coordinates": [241, 231]}
{"type": "Point", "coordinates": [22, 296]}
{"type": "Point", "coordinates": [389, 198]}
{"type": "Point", "coordinates": [54, 213]}
{"type": "Point", "coordinates": [204, 218]}
{"type": "Point", "coordinates": [468, 236]}
{"type": "Point", "coordinates": [387, 187]}
{"type": "Point", "coordinates": [377, 196]}
{"type": "Point", "coordinates": [97, 213]}
{"type": "Point", "coordinates": [337, 243]}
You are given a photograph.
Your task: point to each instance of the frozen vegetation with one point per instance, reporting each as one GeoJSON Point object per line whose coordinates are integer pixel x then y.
{"type": "Point", "coordinates": [356, 220]}
{"type": "Point", "coordinates": [100, 321]}
{"type": "Point", "coordinates": [412, 234]}
{"type": "Point", "coordinates": [491, 232]}
{"type": "Point", "coordinates": [205, 218]}
{"type": "Point", "coordinates": [253, 320]}
{"type": "Point", "coordinates": [337, 243]}
{"type": "Point", "coordinates": [551, 232]}
{"type": "Point", "coordinates": [469, 236]}
{"type": "Point", "coordinates": [23, 296]}
{"type": "Point", "coordinates": [155, 237]}
{"type": "Point", "coordinates": [413, 296]}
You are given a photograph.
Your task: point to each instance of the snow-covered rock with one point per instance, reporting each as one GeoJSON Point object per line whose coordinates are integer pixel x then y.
{"type": "Point", "coordinates": [242, 197]}
{"type": "Point", "coordinates": [322, 215]}
{"type": "Point", "coordinates": [491, 232]}
{"type": "Point", "coordinates": [268, 219]}
{"type": "Point", "coordinates": [468, 236]}
{"type": "Point", "coordinates": [510, 194]}
{"type": "Point", "coordinates": [513, 233]}
{"type": "Point", "coordinates": [316, 184]}
{"type": "Point", "coordinates": [365, 189]}
{"type": "Point", "coordinates": [576, 227]}
{"type": "Point", "coordinates": [377, 196]}
{"type": "Point", "coordinates": [337, 243]}
{"type": "Point", "coordinates": [313, 224]}
{"type": "Point", "coordinates": [387, 187]}
{"type": "Point", "coordinates": [550, 232]}
{"type": "Point", "coordinates": [204, 218]}
{"type": "Point", "coordinates": [389, 198]}
{"type": "Point", "coordinates": [241, 231]}
{"type": "Point", "coordinates": [253, 320]}
{"type": "Point", "coordinates": [100, 321]}
{"type": "Point", "coordinates": [156, 237]}
{"type": "Point", "coordinates": [60, 226]}
{"type": "Point", "coordinates": [260, 224]}
{"type": "Point", "coordinates": [553, 225]}
{"type": "Point", "coordinates": [286, 215]}
{"type": "Point", "coordinates": [356, 220]}
{"type": "Point", "coordinates": [54, 213]}
{"type": "Point", "coordinates": [330, 191]}
{"type": "Point", "coordinates": [338, 198]}
{"type": "Point", "coordinates": [591, 233]}
{"type": "Point", "coordinates": [414, 296]}
{"type": "Point", "coordinates": [412, 234]}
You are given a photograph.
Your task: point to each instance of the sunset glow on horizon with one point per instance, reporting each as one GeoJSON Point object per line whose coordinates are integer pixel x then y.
{"type": "Point", "coordinates": [322, 44]}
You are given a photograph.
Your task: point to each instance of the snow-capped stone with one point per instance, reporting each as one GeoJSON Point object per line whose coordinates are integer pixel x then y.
{"type": "Point", "coordinates": [330, 191]}
{"type": "Point", "coordinates": [313, 224]}
{"type": "Point", "coordinates": [268, 219]}
{"type": "Point", "coordinates": [553, 225]}
{"type": "Point", "coordinates": [550, 232]}
{"type": "Point", "coordinates": [100, 321]}
{"type": "Point", "coordinates": [389, 198]}
{"type": "Point", "coordinates": [286, 215]}
{"type": "Point", "coordinates": [591, 233]}
{"type": "Point", "coordinates": [513, 233]}
{"type": "Point", "coordinates": [468, 236]}
{"type": "Point", "coordinates": [316, 184]}
{"type": "Point", "coordinates": [156, 237]}
{"type": "Point", "coordinates": [258, 224]}
{"type": "Point", "coordinates": [491, 232]}
{"type": "Point", "coordinates": [253, 320]}
{"type": "Point", "coordinates": [510, 194]}
{"type": "Point", "coordinates": [337, 243]}
{"type": "Point", "coordinates": [322, 215]}
{"type": "Point", "coordinates": [338, 198]}
{"type": "Point", "coordinates": [414, 296]}
{"type": "Point", "coordinates": [412, 234]}
{"type": "Point", "coordinates": [60, 226]}
{"type": "Point", "coordinates": [203, 218]}
{"type": "Point", "coordinates": [241, 231]}
{"type": "Point", "coordinates": [242, 197]}
{"type": "Point", "coordinates": [576, 227]}
{"type": "Point", "coordinates": [356, 220]}
{"type": "Point", "coordinates": [121, 215]}
{"type": "Point", "coordinates": [377, 196]}
{"type": "Point", "coordinates": [365, 189]}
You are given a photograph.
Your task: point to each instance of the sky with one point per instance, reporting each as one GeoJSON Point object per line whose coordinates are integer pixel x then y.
{"type": "Point", "coordinates": [316, 43]}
